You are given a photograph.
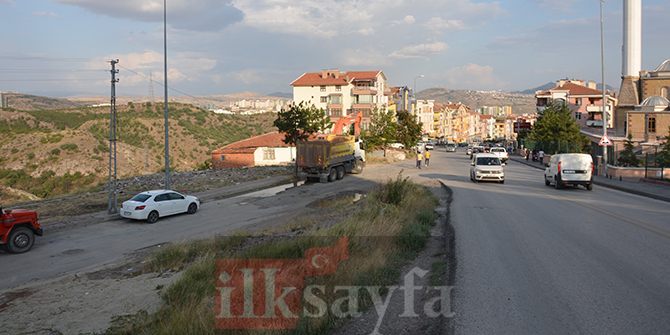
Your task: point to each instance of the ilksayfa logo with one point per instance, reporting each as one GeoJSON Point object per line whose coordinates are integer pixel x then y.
{"type": "Point", "coordinates": [266, 293]}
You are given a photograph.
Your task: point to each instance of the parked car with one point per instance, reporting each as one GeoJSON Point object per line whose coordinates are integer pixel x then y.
{"type": "Point", "coordinates": [569, 169]}
{"type": "Point", "coordinates": [486, 167]}
{"type": "Point", "coordinates": [151, 205]}
{"type": "Point", "coordinates": [451, 147]}
{"type": "Point", "coordinates": [468, 151]}
{"type": "Point", "coordinates": [476, 150]}
{"type": "Point", "coordinates": [397, 145]}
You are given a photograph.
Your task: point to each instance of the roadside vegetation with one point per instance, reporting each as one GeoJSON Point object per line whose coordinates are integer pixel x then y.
{"type": "Point", "coordinates": [386, 230]}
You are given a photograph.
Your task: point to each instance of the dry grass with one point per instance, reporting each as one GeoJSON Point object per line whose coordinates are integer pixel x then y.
{"type": "Point", "coordinates": [376, 231]}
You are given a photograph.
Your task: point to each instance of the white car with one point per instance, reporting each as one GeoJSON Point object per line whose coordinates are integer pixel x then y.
{"type": "Point", "coordinates": [451, 147]}
{"type": "Point", "coordinates": [487, 167]}
{"type": "Point", "coordinates": [151, 205]}
{"type": "Point", "coordinates": [569, 169]}
{"type": "Point", "coordinates": [430, 145]}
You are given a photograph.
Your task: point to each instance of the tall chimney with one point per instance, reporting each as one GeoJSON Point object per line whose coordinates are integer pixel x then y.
{"type": "Point", "coordinates": [324, 74]}
{"type": "Point", "coordinates": [632, 38]}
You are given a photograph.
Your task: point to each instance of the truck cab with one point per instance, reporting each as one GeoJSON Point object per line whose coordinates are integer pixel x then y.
{"type": "Point", "coordinates": [18, 228]}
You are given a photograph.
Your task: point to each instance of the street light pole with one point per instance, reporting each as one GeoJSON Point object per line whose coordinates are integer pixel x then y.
{"type": "Point", "coordinates": [167, 124]}
{"type": "Point", "coordinates": [602, 54]}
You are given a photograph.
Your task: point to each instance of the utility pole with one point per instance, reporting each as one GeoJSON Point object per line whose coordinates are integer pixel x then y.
{"type": "Point", "coordinates": [602, 54]}
{"type": "Point", "coordinates": [112, 204]}
{"type": "Point", "coordinates": [167, 124]}
{"type": "Point", "coordinates": [151, 87]}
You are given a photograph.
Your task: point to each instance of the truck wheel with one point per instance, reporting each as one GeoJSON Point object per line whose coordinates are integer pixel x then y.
{"type": "Point", "coordinates": [358, 168]}
{"type": "Point", "coordinates": [192, 208]}
{"type": "Point", "coordinates": [152, 217]}
{"type": "Point", "coordinates": [332, 175]}
{"type": "Point", "coordinates": [20, 240]}
{"type": "Point", "coordinates": [340, 172]}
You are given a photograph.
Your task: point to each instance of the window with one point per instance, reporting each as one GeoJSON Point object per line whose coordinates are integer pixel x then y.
{"type": "Point", "coordinates": [223, 158]}
{"type": "Point", "coordinates": [578, 115]}
{"type": "Point", "coordinates": [324, 99]}
{"type": "Point", "coordinates": [175, 196]}
{"type": "Point", "coordinates": [578, 102]}
{"type": "Point", "coordinates": [364, 99]}
{"type": "Point", "coordinates": [338, 88]}
{"type": "Point", "coordinates": [651, 125]}
{"type": "Point", "coordinates": [336, 99]}
{"type": "Point", "coordinates": [269, 154]}
{"type": "Point", "coordinates": [336, 112]}
{"type": "Point", "coordinates": [665, 92]}
{"type": "Point", "coordinates": [323, 88]}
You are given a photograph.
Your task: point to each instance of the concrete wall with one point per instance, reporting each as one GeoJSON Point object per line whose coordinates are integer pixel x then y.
{"type": "Point", "coordinates": [283, 156]}
{"type": "Point", "coordinates": [232, 160]}
{"type": "Point", "coordinates": [631, 172]}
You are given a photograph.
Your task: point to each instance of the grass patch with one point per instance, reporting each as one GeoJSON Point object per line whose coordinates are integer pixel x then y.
{"type": "Point", "coordinates": [385, 230]}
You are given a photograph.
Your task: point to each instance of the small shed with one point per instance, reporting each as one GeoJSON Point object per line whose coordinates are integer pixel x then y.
{"type": "Point", "coordinates": [268, 149]}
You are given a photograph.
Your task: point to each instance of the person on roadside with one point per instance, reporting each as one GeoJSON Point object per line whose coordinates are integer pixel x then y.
{"type": "Point", "coordinates": [527, 154]}
{"type": "Point", "coordinates": [534, 155]}
{"type": "Point", "coordinates": [419, 158]}
{"type": "Point", "coordinates": [427, 158]}
{"type": "Point", "coordinates": [541, 156]}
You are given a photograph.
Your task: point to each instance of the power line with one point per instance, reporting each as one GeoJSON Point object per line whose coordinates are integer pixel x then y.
{"type": "Point", "coordinates": [49, 70]}
{"type": "Point", "coordinates": [147, 78]}
{"type": "Point", "coordinates": [56, 79]}
{"type": "Point", "coordinates": [51, 59]}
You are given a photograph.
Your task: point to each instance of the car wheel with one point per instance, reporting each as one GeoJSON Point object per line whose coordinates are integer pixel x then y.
{"type": "Point", "coordinates": [558, 183]}
{"type": "Point", "coordinates": [20, 240]}
{"type": "Point", "coordinates": [589, 187]}
{"type": "Point", "coordinates": [546, 182]}
{"type": "Point", "coordinates": [152, 217]}
{"type": "Point", "coordinates": [192, 208]}
{"type": "Point", "coordinates": [332, 175]}
{"type": "Point", "coordinates": [340, 172]}
{"type": "Point", "coordinates": [502, 181]}
{"type": "Point", "coordinates": [358, 168]}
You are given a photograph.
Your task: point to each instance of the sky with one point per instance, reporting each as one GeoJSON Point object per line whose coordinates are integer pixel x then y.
{"type": "Point", "coordinates": [62, 48]}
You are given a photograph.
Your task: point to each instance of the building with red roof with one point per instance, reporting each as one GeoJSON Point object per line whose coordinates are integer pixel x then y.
{"type": "Point", "coordinates": [267, 149]}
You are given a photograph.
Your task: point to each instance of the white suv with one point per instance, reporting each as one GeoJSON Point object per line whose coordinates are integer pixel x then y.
{"type": "Point", "coordinates": [501, 153]}
{"type": "Point", "coordinates": [486, 167]}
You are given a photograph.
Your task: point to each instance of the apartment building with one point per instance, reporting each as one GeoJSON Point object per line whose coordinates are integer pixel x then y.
{"type": "Point", "coordinates": [585, 101]}
{"type": "Point", "coordinates": [343, 93]}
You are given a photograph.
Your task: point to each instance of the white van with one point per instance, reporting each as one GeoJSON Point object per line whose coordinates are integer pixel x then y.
{"type": "Point", "coordinates": [569, 169]}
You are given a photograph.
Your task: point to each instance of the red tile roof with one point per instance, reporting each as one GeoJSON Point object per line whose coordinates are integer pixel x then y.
{"type": "Point", "coordinates": [272, 140]}
{"type": "Point", "coordinates": [574, 89]}
{"type": "Point", "coordinates": [316, 78]}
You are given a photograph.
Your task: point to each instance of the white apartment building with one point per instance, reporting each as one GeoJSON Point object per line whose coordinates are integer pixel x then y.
{"type": "Point", "coordinates": [426, 115]}
{"type": "Point", "coordinates": [343, 93]}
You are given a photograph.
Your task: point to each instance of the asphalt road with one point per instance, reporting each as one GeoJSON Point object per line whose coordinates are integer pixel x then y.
{"type": "Point", "coordinates": [535, 260]}
{"type": "Point", "coordinates": [529, 259]}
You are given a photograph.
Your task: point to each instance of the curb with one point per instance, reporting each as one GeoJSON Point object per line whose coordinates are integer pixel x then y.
{"type": "Point", "coordinates": [608, 185]}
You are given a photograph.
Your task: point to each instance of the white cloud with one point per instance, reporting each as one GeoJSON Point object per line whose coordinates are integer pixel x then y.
{"type": "Point", "coordinates": [408, 20]}
{"type": "Point", "coordinates": [248, 76]}
{"type": "Point", "coordinates": [7, 3]}
{"type": "Point", "coordinates": [185, 66]}
{"type": "Point", "coordinates": [52, 14]}
{"type": "Point", "coordinates": [440, 25]}
{"type": "Point", "coordinates": [564, 6]}
{"type": "Point", "coordinates": [420, 51]}
{"type": "Point", "coordinates": [39, 13]}
{"type": "Point", "coordinates": [473, 76]}
{"type": "Point", "coordinates": [201, 15]}
{"type": "Point", "coordinates": [363, 58]}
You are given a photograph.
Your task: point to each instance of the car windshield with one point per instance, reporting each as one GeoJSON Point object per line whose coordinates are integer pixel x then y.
{"type": "Point", "coordinates": [141, 197]}
{"type": "Point", "coordinates": [487, 161]}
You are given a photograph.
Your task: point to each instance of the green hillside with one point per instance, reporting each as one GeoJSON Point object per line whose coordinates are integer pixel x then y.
{"type": "Point", "coordinates": [53, 152]}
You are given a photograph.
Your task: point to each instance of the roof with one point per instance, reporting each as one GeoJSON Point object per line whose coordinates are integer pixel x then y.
{"type": "Point", "coordinates": [249, 145]}
{"type": "Point", "coordinates": [664, 67]}
{"type": "Point", "coordinates": [574, 89]}
{"type": "Point", "coordinates": [655, 101]}
{"type": "Point", "coordinates": [316, 78]}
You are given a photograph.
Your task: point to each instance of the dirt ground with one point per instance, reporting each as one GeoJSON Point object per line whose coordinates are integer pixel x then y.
{"type": "Point", "coordinates": [88, 302]}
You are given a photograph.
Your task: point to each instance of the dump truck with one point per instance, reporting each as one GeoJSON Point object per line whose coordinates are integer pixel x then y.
{"type": "Point", "coordinates": [18, 228]}
{"type": "Point", "coordinates": [329, 157]}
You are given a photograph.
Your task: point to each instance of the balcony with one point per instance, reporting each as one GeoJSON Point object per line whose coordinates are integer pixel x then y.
{"type": "Point", "coordinates": [364, 90]}
{"type": "Point", "coordinates": [597, 108]}
{"type": "Point", "coordinates": [594, 123]}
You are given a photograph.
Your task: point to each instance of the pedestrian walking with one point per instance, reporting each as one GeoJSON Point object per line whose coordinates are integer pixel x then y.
{"type": "Point", "coordinates": [419, 158]}
{"type": "Point", "coordinates": [527, 154]}
{"type": "Point", "coordinates": [541, 155]}
{"type": "Point", "coordinates": [427, 158]}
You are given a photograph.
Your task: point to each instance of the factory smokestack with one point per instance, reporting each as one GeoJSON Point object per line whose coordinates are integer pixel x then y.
{"type": "Point", "coordinates": [632, 38]}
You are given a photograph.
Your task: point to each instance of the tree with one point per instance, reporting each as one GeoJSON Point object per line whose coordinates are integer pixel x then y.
{"type": "Point", "coordinates": [408, 130]}
{"type": "Point", "coordinates": [627, 157]}
{"type": "Point", "coordinates": [556, 124]}
{"type": "Point", "coordinates": [383, 128]}
{"type": "Point", "coordinates": [663, 156]}
{"type": "Point", "coordinates": [300, 121]}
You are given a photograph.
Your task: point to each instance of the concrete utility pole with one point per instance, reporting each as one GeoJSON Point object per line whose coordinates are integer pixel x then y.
{"type": "Point", "coordinates": [112, 204]}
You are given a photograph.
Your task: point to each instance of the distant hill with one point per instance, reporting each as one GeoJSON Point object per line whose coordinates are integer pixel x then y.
{"type": "Point", "coordinates": [551, 85]}
{"type": "Point", "coordinates": [36, 102]}
{"type": "Point", "coordinates": [521, 104]}
{"type": "Point", "coordinates": [281, 95]}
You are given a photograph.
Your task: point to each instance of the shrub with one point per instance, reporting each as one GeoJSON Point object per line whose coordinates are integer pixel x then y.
{"type": "Point", "coordinates": [55, 152]}
{"type": "Point", "coordinates": [30, 155]}
{"type": "Point", "coordinates": [14, 150]}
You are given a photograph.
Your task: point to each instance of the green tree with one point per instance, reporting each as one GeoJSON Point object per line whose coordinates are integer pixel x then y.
{"type": "Point", "coordinates": [299, 121]}
{"type": "Point", "coordinates": [408, 130]}
{"type": "Point", "coordinates": [663, 156]}
{"type": "Point", "coordinates": [627, 157]}
{"type": "Point", "coordinates": [383, 128]}
{"type": "Point", "coordinates": [556, 124]}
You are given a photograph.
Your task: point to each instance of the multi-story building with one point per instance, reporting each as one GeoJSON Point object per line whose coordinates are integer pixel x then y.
{"type": "Point", "coordinates": [343, 93]}
{"type": "Point", "coordinates": [585, 101]}
{"type": "Point", "coordinates": [425, 114]}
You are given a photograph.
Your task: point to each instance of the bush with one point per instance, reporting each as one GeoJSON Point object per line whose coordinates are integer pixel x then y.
{"type": "Point", "coordinates": [30, 155]}
{"type": "Point", "coordinates": [14, 150]}
{"type": "Point", "coordinates": [55, 152]}
{"type": "Point", "coordinates": [69, 146]}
